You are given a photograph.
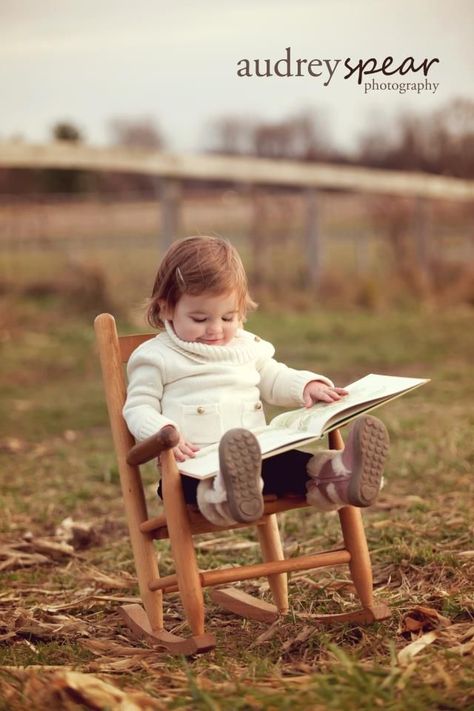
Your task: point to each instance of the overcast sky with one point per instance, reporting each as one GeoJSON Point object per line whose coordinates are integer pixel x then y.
{"type": "Point", "coordinates": [88, 61]}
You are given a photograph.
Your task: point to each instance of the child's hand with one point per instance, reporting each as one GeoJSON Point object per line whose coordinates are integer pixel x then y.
{"type": "Point", "coordinates": [184, 450]}
{"type": "Point", "coordinates": [316, 390]}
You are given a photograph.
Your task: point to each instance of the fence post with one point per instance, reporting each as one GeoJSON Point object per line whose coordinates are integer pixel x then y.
{"type": "Point", "coordinates": [422, 237]}
{"type": "Point", "coordinates": [260, 228]}
{"type": "Point", "coordinates": [361, 250]}
{"type": "Point", "coordinates": [170, 199]}
{"type": "Point", "coordinates": [313, 241]}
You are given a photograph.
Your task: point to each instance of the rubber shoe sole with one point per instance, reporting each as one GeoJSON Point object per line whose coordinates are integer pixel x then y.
{"type": "Point", "coordinates": [240, 462]}
{"type": "Point", "coordinates": [370, 443]}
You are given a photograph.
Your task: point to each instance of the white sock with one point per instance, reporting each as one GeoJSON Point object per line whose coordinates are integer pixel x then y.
{"type": "Point", "coordinates": [209, 510]}
{"type": "Point", "coordinates": [216, 493]}
{"type": "Point", "coordinates": [317, 462]}
{"type": "Point", "coordinates": [316, 499]}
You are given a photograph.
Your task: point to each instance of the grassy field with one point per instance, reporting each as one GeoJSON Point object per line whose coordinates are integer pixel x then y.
{"type": "Point", "coordinates": [368, 246]}
{"type": "Point", "coordinates": [59, 597]}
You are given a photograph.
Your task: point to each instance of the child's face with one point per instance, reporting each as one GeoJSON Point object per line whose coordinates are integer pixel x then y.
{"type": "Point", "coordinates": [206, 318]}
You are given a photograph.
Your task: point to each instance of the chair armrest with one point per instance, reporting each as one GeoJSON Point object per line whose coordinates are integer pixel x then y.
{"type": "Point", "coordinates": [150, 448]}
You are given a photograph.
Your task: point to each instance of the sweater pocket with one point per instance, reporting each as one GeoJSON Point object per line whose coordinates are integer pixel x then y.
{"type": "Point", "coordinates": [201, 423]}
{"type": "Point", "coordinates": [253, 415]}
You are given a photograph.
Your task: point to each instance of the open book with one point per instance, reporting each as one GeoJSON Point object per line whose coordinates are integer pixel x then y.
{"type": "Point", "coordinates": [299, 427]}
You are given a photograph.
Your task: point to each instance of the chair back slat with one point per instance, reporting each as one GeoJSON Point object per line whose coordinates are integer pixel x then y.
{"type": "Point", "coordinates": [129, 343]}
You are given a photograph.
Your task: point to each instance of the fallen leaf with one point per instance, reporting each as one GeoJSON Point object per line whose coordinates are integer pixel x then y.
{"type": "Point", "coordinates": [79, 534]}
{"type": "Point", "coordinates": [411, 650]}
{"type": "Point", "coordinates": [422, 618]}
{"type": "Point", "coordinates": [69, 689]}
{"type": "Point", "coordinates": [38, 624]}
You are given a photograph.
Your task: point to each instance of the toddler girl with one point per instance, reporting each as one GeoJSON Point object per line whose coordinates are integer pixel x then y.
{"type": "Point", "coordinates": [207, 377]}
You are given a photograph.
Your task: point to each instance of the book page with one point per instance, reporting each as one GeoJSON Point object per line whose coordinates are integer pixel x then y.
{"type": "Point", "coordinates": [360, 394]}
{"type": "Point", "coordinates": [298, 427]}
{"type": "Point", "coordinates": [206, 462]}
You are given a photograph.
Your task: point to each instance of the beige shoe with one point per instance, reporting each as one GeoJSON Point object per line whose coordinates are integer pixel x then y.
{"type": "Point", "coordinates": [352, 476]}
{"type": "Point", "coordinates": [240, 464]}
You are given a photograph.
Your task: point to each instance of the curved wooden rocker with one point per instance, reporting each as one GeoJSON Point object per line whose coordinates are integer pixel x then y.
{"type": "Point", "coordinates": [180, 522]}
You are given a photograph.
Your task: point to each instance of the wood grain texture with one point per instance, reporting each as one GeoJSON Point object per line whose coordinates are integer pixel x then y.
{"type": "Point", "coordinates": [221, 576]}
{"type": "Point", "coordinates": [241, 603]}
{"type": "Point", "coordinates": [270, 543]}
{"type": "Point", "coordinates": [182, 546]}
{"type": "Point", "coordinates": [132, 488]}
{"type": "Point", "coordinates": [135, 617]}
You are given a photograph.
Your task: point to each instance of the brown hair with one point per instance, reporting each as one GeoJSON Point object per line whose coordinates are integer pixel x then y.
{"type": "Point", "coordinates": [196, 265]}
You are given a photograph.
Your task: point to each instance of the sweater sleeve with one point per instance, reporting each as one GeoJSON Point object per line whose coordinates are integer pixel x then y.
{"type": "Point", "coordinates": [142, 410]}
{"type": "Point", "coordinates": [284, 386]}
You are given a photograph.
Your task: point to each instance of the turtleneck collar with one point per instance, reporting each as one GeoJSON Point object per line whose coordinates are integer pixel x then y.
{"type": "Point", "coordinates": [243, 348]}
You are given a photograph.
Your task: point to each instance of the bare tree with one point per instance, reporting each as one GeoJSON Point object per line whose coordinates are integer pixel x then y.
{"type": "Point", "coordinates": [66, 131]}
{"type": "Point", "coordinates": [141, 132]}
{"type": "Point", "coordinates": [452, 136]}
{"type": "Point", "coordinates": [302, 136]}
{"type": "Point", "coordinates": [231, 135]}
{"type": "Point", "coordinates": [442, 142]}
{"type": "Point", "coordinates": [132, 132]}
{"type": "Point", "coordinates": [71, 180]}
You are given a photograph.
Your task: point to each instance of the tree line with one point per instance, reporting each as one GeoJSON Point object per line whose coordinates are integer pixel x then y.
{"type": "Point", "coordinates": [440, 143]}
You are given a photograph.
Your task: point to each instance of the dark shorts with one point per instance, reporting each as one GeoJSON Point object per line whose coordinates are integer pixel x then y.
{"type": "Point", "coordinates": [283, 474]}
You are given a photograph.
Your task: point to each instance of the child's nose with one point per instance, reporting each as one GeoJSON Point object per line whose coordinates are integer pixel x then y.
{"type": "Point", "coordinates": [214, 327]}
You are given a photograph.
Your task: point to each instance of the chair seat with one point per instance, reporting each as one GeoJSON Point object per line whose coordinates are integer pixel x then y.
{"type": "Point", "coordinates": [158, 528]}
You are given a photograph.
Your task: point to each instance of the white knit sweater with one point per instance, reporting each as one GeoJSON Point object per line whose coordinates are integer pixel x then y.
{"type": "Point", "coordinates": [205, 390]}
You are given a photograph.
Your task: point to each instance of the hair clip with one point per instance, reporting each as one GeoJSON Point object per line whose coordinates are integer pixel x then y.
{"type": "Point", "coordinates": [180, 278]}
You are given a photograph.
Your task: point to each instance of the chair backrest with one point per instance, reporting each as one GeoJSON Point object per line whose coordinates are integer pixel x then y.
{"type": "Point", "coordinates": [128, 344]}
{"type": "Point", "coordinates": [114, 352]}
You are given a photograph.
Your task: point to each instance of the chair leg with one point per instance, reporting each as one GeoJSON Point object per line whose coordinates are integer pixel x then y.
{"type": "Point", "coordinates": [182, 546]}
{"type": "Point", "coordinates": [355, 540]}
{"type": "Point", "coordinates": [270, 544]}
{"type": "Point", "coordinates": [147, 622]}
{"type": "Point", "coordinates": [241, 603]}
{"type": "Point", "coordinates": [146, 565]}
{"type": "Point", "coordinates": [142, 545]}
{"type": "Point", "coordinates": [144, 552]}
{"type": "Point", "coordinates": [356, 543]}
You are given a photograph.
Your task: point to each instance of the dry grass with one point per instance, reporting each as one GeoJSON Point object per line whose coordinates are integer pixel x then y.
{"type": "Point", "coordinates": [61, 642]}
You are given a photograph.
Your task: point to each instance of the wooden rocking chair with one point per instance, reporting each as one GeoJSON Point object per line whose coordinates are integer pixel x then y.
{"type": "Point", "coordinates": [180, 522]}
